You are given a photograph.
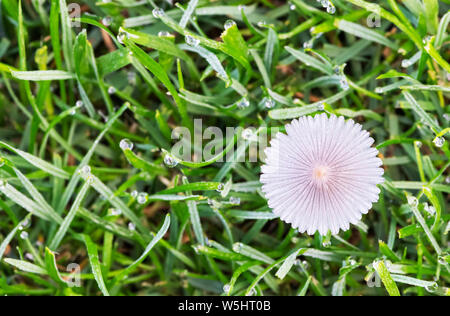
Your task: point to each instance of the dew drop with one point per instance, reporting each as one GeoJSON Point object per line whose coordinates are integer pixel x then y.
{"type": "Point", "coordinates": [430, 209]}
{"type": "Point", "coordinates": [237, 247]}
{"type": "Point", "coordinates": [170, 162]}
{"type": "Point", "coordinates": [269, 103]}
{"type": "Point", "coordinates": [107, 21]}
{"type": "Point", "coordinates": [292, 7]}
{"type": "Point", "coordinates": [226, 288]}
{"type": "Point", "coordinates": [321, 106]}
{"type": "Point", "coordinates": [324, 3]}
{"type": "Point", "coordinates": [2, 183]}
{"type": "Point", "coordinates": [24, 235]}
{"type": "Point", "coordinates": [79, 104]}
{"type": "Point", "coordinates": [406, 63]}
{"type": "Point", "coordinates": [111, 90]}
{"type": "Point", "coordinates": [447, 180]}
{"type": "Point", "coordinates": [134, 194]}
{"type": "Point", "coordinates": [131, 226]}
{"type": "Point", "coordinates": [308, 44]}
{"type": "Point", "coordinates": [432, 287]}
{"type": "Point", "coordinates": [418, 144]}
{"type": "Point", "coordinates": [248, 134]}
{"type": "Point", "coordinates": [412, 201]}
{"type": "Point", "coordinates": [29, 256]}
{"type": "Point", "coordinates": [344, 83]}
{"type": "Point", "coordinates": [220, 187]}
{"type": "Point", "coordinates": [235, 200]}
{"type": "Point", "coordinates": [243, 103]}
{"type": "Point", "coordinates": [229, 24]}
{"type": "Point", "coordinates": [86, 170]}
{"type": "Point", "coordinates": [326, 244]}
{"type": "Point", "coordinates": [192, 41]}
{"type": "Point", "coordinates": [331, 8]}
{"type": "Point", "coordinates": [426, 39]}
{"type": "Point", "coordinates": [25, 222]}
{"type": "Point", "coordinates": [116, 212]}
{"type": "Point", "coordinates": [447, 116]}
{"type": "Point", "coordinates": [439, 141]}
{"type": "Point", "coordinates": [126, 144]}
{"type": "Point", "coordinates": [442, 259]}
{"type": "Point", "coordinates": [106, 1]}
{"type": "Point", "coordinates": [90, 179]}
{"type": "Point", "coordinates": [251, 293]}
{"type": "Point", "coordinates": [378, 90]}
{"type": "Point", "coordinates": [142, 198]}
{"type": "Point", "coordinates": [121, 37]}
{"type": "Point", "coordinates": [164, 34]}
{"type": "Point", "coordinates": [158, 13]}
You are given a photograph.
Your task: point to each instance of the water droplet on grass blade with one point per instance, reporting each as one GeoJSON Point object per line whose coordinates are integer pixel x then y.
{"type": "Point", "coordinates": [308, 44]}
{"type": "Point", "coordinates": [111, 90]}
{"type": "Point", "coordinates": [269, 103]}
{"type": "Point", "coordinates": [106, 21]}
{"type": "Point", "coordinates": [235, 200]}
{"type": "Point", "coordinates": [226, 288]}
{"type": "Point", "coordinates": [134, 194]}
{"type": "Point", "coordinates": [170, 162]}
{"type": "Point", "coordinates": [344, 83]}
{"type": "Point", "coordinates": [158, 13]}
{"type": "Point", "coordinates": [439, 141]}
{"type": "Point", "coordinates": [3, 183]}
{"type": "Point", "coordinates": [442, 258]}
{"type": "Point", "coordinates": [237, 247]}
{"type": "Point", "coordinates": [121, 37]}
{"type": "Point", "coordinates": [251, 293]}
{"type": "Point", "coordinates": [331, 8]}
{"type": "Point", "coordinates": [142, 198]}
{"type": "Point", "coordinates": [131, 226]}
{"type": "Point", "coordinates": [192, 41]}
{"type": "Point", "coordinates": [406, 63]}
{"type": "Point", "coordinates": [24, 235]}
{"type": "Point", "coordinates": [229, 24]}
{"type": "Point", "coordinates": [243, 103]}
{"type": "Point", "coordinates": [116, 212]}
{"type": "Point", "coordinates": [412, 200]}
{"type": "Point", "coordinates": [164, 34]}
{"type": "Point", "coordinates": [432, 288]}
{"type": "Point", "coordinates": [126, 144]}
{"type": "Point", "coordinates": [86, 170]}
{"type": "Point", "coordinates": [220, 187]}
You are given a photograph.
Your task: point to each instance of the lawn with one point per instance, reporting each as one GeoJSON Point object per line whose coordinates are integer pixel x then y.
{"type": "Point", "coordinates": [132, 137]}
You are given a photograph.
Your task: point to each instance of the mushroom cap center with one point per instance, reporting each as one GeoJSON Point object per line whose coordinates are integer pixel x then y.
{"type": "Point", "coordinates": [320, 174]}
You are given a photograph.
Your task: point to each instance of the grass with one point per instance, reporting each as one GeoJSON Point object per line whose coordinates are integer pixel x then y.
{"type": "Point", "coordinates": [76, 199]}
